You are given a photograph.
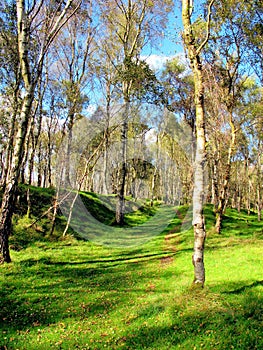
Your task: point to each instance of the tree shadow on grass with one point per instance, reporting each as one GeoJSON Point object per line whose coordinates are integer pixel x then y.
{"type": "Point", "coordinates": [67, 291]}
{"type": "Point", "coordinates": [238, 325]}
{"type": "Point", "coordinates": [245, 287]}
{"type": "Point", "coordinates": [241, 224]}
{"type": "Point", "coordinates": [105, 262]}
{"type": "Point", "coordinates": [218, 321]}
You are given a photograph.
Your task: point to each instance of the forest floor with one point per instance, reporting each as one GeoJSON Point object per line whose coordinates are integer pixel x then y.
{"type": "Point", "coordinates": [73, 294]}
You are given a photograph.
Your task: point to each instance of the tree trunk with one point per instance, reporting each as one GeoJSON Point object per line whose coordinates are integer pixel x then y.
{"type": "Point", "coordinates": [259, 207]}
{"type": "Point", "coordinates": [259, 184]}
{"type": "Point", "coordinates": [107, 140]}
{"type": "Point", "coordinates": [155, 173]}
{"type": "Point", "coordinates": [200, 152]}
{"type": "Point", "coordinates": [28, 203]}
{"type": "Point", "coordinates": [9, 196]}
{"type": "Point", "coordinates": [223, 195]}
{"type": "Point", "coordinates": [120, 205]}
{"type": "Point", "coordinates": [35, 137]}
{"type": "Point", "coordinates": [199, 191]}
{"type": "Point", "coordinates": [40, 165]}
{"type": "Point", "coordinates": [215, 176]}
{"type": "Point", "coordinates": [6, 220]}
{"type": "Point", "coordinates": [69, 142]}
{"type": "Point", "coordinates": [7, 208]}
{"type": "Point", "coordinates": [10, 145]}
{"type": "Point", "coordinates": [248, 199]}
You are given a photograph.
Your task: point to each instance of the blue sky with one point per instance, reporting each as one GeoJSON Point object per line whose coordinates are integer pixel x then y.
{"type": "Point", "coordinates": [168, 46]}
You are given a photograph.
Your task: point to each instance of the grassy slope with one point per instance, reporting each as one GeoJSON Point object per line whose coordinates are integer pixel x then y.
{"type": "Point", "coordinates": [76, 295]}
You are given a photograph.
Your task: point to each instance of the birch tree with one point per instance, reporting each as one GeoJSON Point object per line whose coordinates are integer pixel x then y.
{"type": "Point", "coordinates": [38, 23]}
{"type": "Point", "coordinates": [132, 24]}
{"type": "Point", "coordinates": [72, 53]}
{"type": "Point", "coordinates": [194, 47]}
{"type": "Point", "coordinates": [227, 73]}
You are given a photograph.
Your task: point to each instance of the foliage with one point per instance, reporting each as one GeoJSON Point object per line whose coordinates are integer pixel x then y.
{"type": "Point", "coordinates": [145, 86]}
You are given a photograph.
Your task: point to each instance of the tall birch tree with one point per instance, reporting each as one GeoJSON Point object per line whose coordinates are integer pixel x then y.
{"type": "Point", "coordinates": [38, 23]}
{"type": "Point", "coordinates": [132, 24]}
{"type": "Point", "coordinates": [194, 47]}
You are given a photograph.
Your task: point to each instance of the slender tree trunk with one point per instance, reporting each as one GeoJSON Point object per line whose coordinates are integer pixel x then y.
{"type": "Point", "coordinates": [12, 131]}
{"type": "Point", "coordinates": [200, 152]}
{"type": "Point", "coordinates": [49, 156]}
{"type": "Point", "coordinates": [105, 189]}
{"type": "Point", "coordinates": [31, 161]}
{"type": "Point", "coordinates": [259, 184]}
{"type": "Point", "coordinates": [248, 199]}
{"type": "Point", "coordinates": [120, 205]}
{"type": "Point", "coordinates": [40, 165]}
{"type": "Point", "coordinates": [155, 172]}
{"type": "Point", "coordinates": [105, 168]}
{"type": "Point", "coordinates": [10, 147]}
{"type": "Point", "coordinates": [22, 178]}
{"type": "Point", "coordinates": [6, 220]}
{"type": "Point", "coordinates": [28, 203]}
{"type": "Point", "coordinates": [223, 194]}
{"type": "Point", "coordinates": [106, 136]}
{"type": "Point", "coordinates": [259, 206]}
{"type": "Point", "coordinates": [35, 137]}
{"type": "Point", "coordinates": [215, 176]}
{"type": "Point", "coordinates": [69, 142]}
{"type": "Point", "coordinates": [7, 208]}
{"type": "Point", "coordinates": [50, 146]}
{"type": "Point", "coordinates": [9, 196]}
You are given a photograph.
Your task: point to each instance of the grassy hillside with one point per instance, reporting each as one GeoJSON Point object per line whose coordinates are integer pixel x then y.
{"type": "Point", "coordinates": [72, 294]}
{"type": "Point", "coordinates": [32, 223]}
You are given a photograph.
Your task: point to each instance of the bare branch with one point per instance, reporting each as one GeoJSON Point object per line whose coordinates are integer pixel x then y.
{"type": "Point", "coordinates": [208, 22]}
{"type": "Point", "coordinates": [60, 22]}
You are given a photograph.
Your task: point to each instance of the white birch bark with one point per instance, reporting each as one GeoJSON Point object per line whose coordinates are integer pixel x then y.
{"type": "Point", "coordinates": [200, 154]}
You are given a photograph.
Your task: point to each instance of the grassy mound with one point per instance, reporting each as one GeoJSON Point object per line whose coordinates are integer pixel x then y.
{"type": "Point", "coordinates": [32, 220]}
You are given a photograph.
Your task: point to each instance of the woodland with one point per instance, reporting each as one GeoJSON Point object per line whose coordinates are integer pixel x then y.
{"type": "Point", "coordinates": [118, 175]}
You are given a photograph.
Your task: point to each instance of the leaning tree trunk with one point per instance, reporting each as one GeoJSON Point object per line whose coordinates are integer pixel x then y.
{"type": "Point", "coordinates": [200, 152]}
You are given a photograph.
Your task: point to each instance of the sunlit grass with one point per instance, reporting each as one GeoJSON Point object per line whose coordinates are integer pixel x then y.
{"type": "Point", "coordinates": [77, 295]}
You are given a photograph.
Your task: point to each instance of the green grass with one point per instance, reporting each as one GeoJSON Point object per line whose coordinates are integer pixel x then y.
{"type": "Point", "coordinates": [103, 209]}
{"type": "Point", "coordinates": [77, 295]}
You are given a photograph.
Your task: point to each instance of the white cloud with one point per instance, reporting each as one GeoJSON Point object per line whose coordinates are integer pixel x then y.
{"type": "Point", "coordinates": [151, 136]}
{"type": "Point", "coordinates": [157, 62]}
{"type": "Point", "coordinates": [91, 109]}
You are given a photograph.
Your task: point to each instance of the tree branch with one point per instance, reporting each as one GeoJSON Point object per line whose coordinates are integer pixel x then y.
{"type": "Point", "coordinates": [207, 28]}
